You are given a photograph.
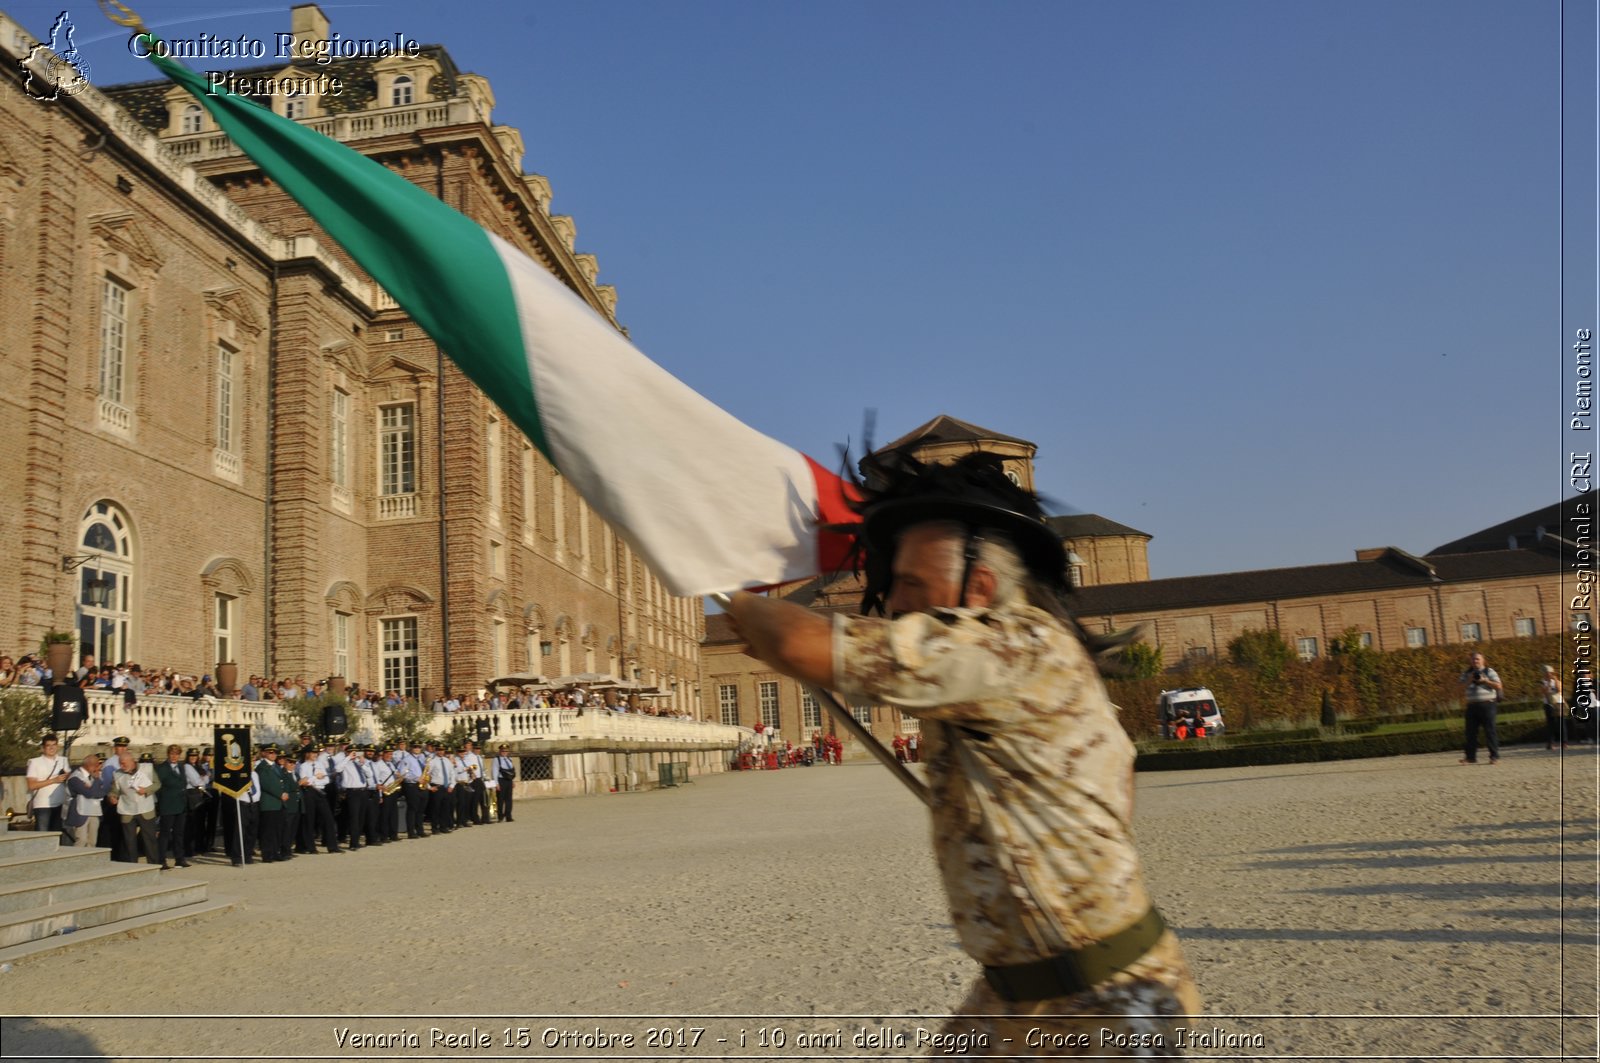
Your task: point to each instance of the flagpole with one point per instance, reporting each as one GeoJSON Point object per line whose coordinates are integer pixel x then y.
{"type": "Point", "coordinates": [238, 832]}
{"type": "Point", "coordinates": [858, 731]}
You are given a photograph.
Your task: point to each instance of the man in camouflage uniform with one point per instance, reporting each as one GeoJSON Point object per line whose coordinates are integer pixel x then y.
{"type": "Point", "coordinates": [1030, 771]}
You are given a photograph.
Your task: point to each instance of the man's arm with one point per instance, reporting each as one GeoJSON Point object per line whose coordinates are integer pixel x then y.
{"type": "Point", "coordinates": [794, 640]}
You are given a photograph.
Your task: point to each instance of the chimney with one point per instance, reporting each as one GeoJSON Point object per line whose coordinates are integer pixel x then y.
{"type": "Point", "coordinates": [307, 23]}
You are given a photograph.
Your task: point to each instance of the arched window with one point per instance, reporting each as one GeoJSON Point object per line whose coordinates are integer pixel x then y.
{"type": "Point", "coordinates": [104, 630]}
{"type": "Point", "coordinates": [401, 93]}
{"type": "Point", "coordinates": [193, 119]}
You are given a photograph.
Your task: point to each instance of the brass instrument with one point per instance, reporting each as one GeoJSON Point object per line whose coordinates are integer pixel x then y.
{"type": "Point", "coordinates": [423, 782]}
{"type": "Point", "coordinates": [393, 785]}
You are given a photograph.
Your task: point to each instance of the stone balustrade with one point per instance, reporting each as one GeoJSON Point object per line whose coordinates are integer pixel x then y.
{"type": "Point", "coordinates": [163, 719]}
{"type": "Point", "coordinates": [200, 147]}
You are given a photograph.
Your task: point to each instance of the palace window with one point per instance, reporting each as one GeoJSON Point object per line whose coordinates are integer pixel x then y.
{"type": "Point", "coordinates": [397, 451]}
{"type": "Point", "coordinates": [1416, 637]}
{"type": "Point", "coordinates": [341, 644]}
{"type": "Point", "coordinates": [398, 655]}
{"type": "Point", "coordinates": [491, 448]}
{"type": "Point", "coordinates": [113, 340]}
{"type": "Point", "coordinates": [339, 441]}
{"type": "Point", "coordinates": [105, 631]}
{"type": "Point", "coordinates": [222, 633]}
{"type": "Point", "coordinates": [1471, 632]}
{"type": "Point", "coordinates": [296, 108]}
{"type": "Point", "coordinates": [530, 518]}
{"type": "Point", "coordinates": [193, 119]}
{"type": "Point", "coordinates": [863, 714]}
{"type": "Point", "coordinates": [810, 711]}
{"type": "Point", "coordinates": [1523, 627]}
{"type": "Point", "coordinates": [225, 434]}
{"type": "Point", "coordinates": [1306, 648]}
{"type": "Point", "coordinates": [402, 92]}
{"type": "Point", "coordinates": [768, 692]}
{"type": "Point", "coordinates": [728, 703]}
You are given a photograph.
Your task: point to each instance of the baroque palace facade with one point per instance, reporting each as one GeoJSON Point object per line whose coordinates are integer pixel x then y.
{"type": "Point", "coordinates": [1502, 582]}
{"type": "Point", "coordinates": [208, 407]}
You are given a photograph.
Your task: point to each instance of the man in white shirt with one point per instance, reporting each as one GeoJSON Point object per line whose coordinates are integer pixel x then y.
{"type": "Point", "coordinates": [478, 805]}
{"type": "Point", "coordinates": [505, 777]}
{"type": "Point", "coordinates": [47, 777]}
{"type": "Point", "coordinates": [136, 807]}
{"type": "Point", "coordinates": [441, 788]}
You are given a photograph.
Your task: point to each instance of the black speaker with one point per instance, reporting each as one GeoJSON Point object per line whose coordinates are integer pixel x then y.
{"type": "Point", "coordinates": [68, 708]}
{"type": "Point", "coordinates": [333, 721]}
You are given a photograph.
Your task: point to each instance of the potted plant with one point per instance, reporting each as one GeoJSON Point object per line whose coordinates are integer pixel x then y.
{"type": "Point", "coordinates": [56, 649]}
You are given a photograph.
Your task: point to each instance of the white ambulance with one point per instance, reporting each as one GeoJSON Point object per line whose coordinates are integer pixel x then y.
{"type": "Point", "coordinates": [1194, 708]}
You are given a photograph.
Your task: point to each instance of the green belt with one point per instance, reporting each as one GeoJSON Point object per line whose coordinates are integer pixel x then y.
{"type": "Point", "coordinates": [1076, 970]}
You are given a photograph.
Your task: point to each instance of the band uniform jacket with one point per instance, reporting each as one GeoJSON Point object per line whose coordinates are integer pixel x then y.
{"type": "Point", "coordinates": [273, 789]}
{"type": "Point", "coordinates": [170, 799]}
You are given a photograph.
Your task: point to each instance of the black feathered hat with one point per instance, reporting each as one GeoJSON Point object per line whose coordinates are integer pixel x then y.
{"type": "Point", "coordinates": [973, 491]}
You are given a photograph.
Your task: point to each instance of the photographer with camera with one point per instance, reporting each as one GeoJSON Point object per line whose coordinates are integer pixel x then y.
{"type": "Point", "coordinates": [1483, 696]}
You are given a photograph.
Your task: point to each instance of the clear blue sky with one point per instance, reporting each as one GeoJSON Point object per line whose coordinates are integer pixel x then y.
{"type": "Point", "coordinates": [1268, 281]}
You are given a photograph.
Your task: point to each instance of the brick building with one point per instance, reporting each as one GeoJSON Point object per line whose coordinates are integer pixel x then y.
{"type": "Point", "coordinates": [208, 407]}
{"type": "Point", "coordinates": [1502, 582]}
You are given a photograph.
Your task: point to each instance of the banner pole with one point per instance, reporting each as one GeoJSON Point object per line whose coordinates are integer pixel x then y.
{"type": "Point", "coordinates": [238, 832]}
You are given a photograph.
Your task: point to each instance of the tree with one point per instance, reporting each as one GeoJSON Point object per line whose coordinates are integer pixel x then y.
{"type": "Point", "coordinates": [459, 734]}
{"type": "Point", "coordinates": [404, 723]}
{"type": "Point", "coordinates": [24, 718]}
{"type": "Point", "coordinates": [301, 715]}
{"type": "Point", "coordinates": [1138, 660]}
{"type": "Point", "coordinates": [1360, 664]}
{"type": "Point", "coordinates": [1263, 652]}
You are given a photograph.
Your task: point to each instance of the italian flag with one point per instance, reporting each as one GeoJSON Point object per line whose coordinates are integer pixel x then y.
{"type": "Point", "coordinates": [709, 503]}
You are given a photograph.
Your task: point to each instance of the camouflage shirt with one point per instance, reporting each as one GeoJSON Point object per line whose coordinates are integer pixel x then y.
{"type": "Point", "coordinates": [1031, 773]}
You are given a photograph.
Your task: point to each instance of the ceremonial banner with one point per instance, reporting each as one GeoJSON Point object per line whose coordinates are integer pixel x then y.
{"type": "Point", "coordinates": [708, 502]}
{"type": "Point", "coordinates": [231, 764]}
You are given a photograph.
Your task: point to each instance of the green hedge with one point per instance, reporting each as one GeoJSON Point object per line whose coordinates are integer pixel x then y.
{"type": "Point", "coordinates": [1400, 684]}
{"type": "Point", "coordinates": [1224, 754]}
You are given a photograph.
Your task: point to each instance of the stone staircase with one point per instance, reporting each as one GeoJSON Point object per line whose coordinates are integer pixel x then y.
{"type": "Point", "coordinates": [52, 897]}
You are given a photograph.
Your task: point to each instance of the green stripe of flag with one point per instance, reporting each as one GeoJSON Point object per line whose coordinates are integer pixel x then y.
{"type": "Point", "coordinates": [436, 263]}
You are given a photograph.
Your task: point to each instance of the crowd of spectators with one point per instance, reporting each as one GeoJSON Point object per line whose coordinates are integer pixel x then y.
{"type": "Point", "coordinates": [576, 698]}
{"type": "Point", "coordinates": [134, 680]}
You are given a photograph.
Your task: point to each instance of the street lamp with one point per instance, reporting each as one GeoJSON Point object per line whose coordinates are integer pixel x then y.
{"type": "Point", "coordinates": [96, 589]}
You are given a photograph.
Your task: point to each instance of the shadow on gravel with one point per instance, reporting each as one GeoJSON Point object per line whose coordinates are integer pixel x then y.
{"type": "Point", "coordinates": [1442, 935]}
{"type": "Point", "coordinates": [1555, 833]}
{"type": "Point", "coordinates": [1409, 860]}
{"type": "Point", "coordinates": [36, 1039]}
{"type": "Point", "coordinates": [1576, 892]}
